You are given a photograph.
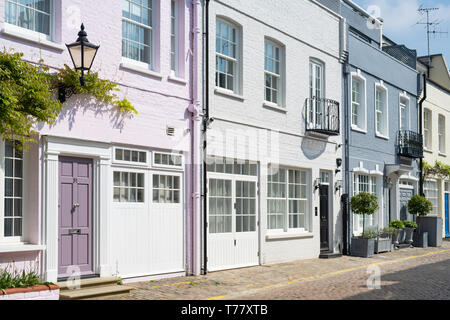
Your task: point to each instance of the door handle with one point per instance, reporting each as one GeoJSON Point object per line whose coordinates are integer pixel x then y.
{"type": "Point", "coordinates": [235, 242]}
{"type": "Point", "coordinates": [76, 205]}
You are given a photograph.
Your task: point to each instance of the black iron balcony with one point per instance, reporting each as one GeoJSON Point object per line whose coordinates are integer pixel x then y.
{"type": "Point", "coordinates": [410, 144]}
{"type": "Point", "coordinates": [322, 116]}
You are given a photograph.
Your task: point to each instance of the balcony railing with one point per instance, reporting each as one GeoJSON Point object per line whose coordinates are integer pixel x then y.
{"type": "Point", "coordinates": [322, 116]}
{"type": "Point", "coordinates": [410, 144]}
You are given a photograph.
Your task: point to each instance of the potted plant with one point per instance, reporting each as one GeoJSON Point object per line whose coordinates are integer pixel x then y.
{"type": "Point", "coordinates": [398, 226]}
{"type": "Point", "coordinates": [431, 224]}
{"type": "Point", "coordinates": [383, 242]}
{"type": "Point", "coordinates": [25, 284]}
{"type": "Point", "coordinates": [364, 204]}
{"type": "Point", "coordinates": [410, 226]}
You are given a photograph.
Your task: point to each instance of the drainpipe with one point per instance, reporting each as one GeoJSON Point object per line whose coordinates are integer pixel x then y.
{"type": "Point", "coordinates": [421, 131]}
{"type": "Point", "coordinates": [194, 109]}
{"type": "Point", "coordinates": [346, 161]}
{"type": "Point", "coordinates": [205, 144]}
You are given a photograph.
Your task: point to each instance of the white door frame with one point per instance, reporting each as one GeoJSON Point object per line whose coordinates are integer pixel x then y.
{"type": "Point", "coordinates": [53, 148]}
{"type": "Point", "coordinates": [234, 178]}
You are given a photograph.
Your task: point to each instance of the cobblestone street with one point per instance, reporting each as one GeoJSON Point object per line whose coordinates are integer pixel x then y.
{"type": "Point", "coordinates": [414, 273]}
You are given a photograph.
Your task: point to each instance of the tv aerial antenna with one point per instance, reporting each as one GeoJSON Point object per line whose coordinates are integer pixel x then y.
{"type": "Point", "coordinates": [430, 26]}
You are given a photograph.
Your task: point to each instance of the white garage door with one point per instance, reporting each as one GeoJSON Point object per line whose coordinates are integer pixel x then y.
{"type": "Point", "coordinates": [232, 222]}
{"type": "Point", "coordinates": [147, 222]}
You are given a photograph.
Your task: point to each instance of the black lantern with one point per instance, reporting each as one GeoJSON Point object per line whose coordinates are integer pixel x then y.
{"type": "Point", "coordinates": [82, 53]}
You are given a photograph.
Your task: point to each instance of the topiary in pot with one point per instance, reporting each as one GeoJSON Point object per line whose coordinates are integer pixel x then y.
{"type": "Point", "coordinates": [410, 226]}
{"type": "Point", "coordinates": [419, 205]}
{"type": "Point", "coordinates": [364, 204]}
{"type": "Point", "coordinates": [397, 225]}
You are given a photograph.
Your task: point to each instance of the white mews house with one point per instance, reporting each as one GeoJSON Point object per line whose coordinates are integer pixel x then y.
{"type": "Point", "coordinates": [274, 149]}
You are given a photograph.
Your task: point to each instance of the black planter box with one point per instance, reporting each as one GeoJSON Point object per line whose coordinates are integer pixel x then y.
{"type": "Point", "coordinates": [433, 225]}
{"type": "Point", "coordinates": [364, 248]}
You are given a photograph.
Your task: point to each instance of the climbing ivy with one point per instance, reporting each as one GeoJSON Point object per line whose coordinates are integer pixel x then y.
{"type": "Point", "coordinates": [28, 95]}
{"type": "Point", "coordinates": [102, 90]}
{"type": "Point", "coordinates": [439, 170]}
{"type": "Point", "coordinates": [26, 98]}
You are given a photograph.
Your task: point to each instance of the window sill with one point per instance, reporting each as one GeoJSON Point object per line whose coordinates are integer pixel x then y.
{"type": "Point", "coordinates": [289, 236]}
{"type": "Point", "coordinates": [442, 154]}
{"type": "Point", "coordinates": [381, 136]}
{"type": "Point", "coordinates": [228, 93]}
{"type": "Point", "coordinates": [176, 79]}
{"type": "Point", "coordinates": [358, 129]}
{"type": "Point", "coordinates": [34, 38]}
{"type": "Point", "coordinates": [139, 69]}
{"type": "Point", "coordinates": [9, 248]}
{"type": "Point", "coordinates": [271, 105]}
{"type": "Point", "coordinates": [427, 150]}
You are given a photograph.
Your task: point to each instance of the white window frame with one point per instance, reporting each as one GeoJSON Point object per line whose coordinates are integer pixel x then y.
{"type": "Point", "coordinates": [404, 97]}
{"type": "Point", "coordinates": [374, 219]}
{"type": "Point", "coordinates": [428, 142]}
{"type": "Point", "coordinates": [25, 197]}
{"type": "Point", "coordinates": [380, 87]}
{"type": "Point", "coordinates": [131, 163]}
{"type": "Point", "coordinates": [174, 69]}
{"type": "Point", "coordinates": [180, 190]}
{"type": "Point", "coordinates": [313, 64]}
{"type": "Point", "coordinates": [362, 115]}
{"type": "Point", "coordinates": [145, 188]}
{"type": "Point", "coordinates": [434, 200]}
{"type": "Point", "coordinates": [31, 34]}
{"type": "Point", "coordinates": [177, 168]}
{"type": "Point", "coordinates": [308, 204]}
{"type": "Point", "coordinates": [441, 135]}
{"type": "Point", "coordinates": [236, 61]}
{"type": "Point", "coordinates": [137, 63]}
{"type": "Point", "coordinates": [280, 76]}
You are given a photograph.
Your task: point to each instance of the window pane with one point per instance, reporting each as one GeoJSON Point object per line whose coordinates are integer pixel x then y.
{"type": "Point", "coordinates": [8, 228]}
{"type": "Point", "coordinates": [8, 207]}
{"type": "Point", "coordinates": [42, 23]}
{"type": "Point", "coordinates": [9, 187]}
{"type": "Point", "coordinates": [17, 227]}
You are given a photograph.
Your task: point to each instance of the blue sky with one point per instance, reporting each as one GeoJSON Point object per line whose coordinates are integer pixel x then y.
{"type": "Point", "coordinates": [400, 18]}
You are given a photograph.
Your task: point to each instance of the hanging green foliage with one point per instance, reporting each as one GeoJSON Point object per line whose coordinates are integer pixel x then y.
{"type": "Point", "coordinates": [102, 90]}
{"type": "Point", "coordinates": [27, 95]}
{"type": "Point", "coordinates": [26, 98]}
{"type": "Point", "coordinates": [439, 170]}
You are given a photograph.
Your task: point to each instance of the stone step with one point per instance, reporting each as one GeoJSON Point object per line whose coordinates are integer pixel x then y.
{"type": "Point", "coordinates": [91, 282]}
{"type": "Point", "coordinates": [93, 292]}
{"type": "Point", "coordinates": [329, 255]}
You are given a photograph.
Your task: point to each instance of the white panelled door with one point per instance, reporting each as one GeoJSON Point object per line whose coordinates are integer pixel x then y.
{"type": "Point", "coordinates": [232, 222]}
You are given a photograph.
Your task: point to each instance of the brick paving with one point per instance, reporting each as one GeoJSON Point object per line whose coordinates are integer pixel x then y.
{"type": "Point", "coordinates": [414, 273]}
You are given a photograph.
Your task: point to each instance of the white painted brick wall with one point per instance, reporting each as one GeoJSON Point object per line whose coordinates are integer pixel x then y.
{"type": "Point", "coordinates": [293, 23]}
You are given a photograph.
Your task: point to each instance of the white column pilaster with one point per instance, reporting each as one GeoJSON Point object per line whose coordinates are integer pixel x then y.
{"type": "Point", "coordinates": [50, 215]}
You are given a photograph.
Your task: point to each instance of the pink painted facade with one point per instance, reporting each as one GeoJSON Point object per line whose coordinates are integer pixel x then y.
{"type": "Point", "coordinates": [163, 99]}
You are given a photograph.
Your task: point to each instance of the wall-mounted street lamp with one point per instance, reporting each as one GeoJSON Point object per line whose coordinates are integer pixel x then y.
{"type": "Point", "coordinates": [82, 53]}
{"type": "Point", "coordinates": [338, 185]}
{"type": "Point", "coordinates": [317, 183]}
{"type": "Point", "coordinates": [338, 164]}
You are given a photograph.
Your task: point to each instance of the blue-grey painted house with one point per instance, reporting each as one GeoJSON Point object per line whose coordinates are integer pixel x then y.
{"type": "Point", "coordinates": [382, 144]}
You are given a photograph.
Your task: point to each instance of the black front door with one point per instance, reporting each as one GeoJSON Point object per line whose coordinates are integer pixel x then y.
{"type": "Point", "coordinates": [324, 223]}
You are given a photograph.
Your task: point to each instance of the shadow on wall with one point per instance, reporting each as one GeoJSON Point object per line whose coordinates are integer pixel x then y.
{"type": "Point", "coordinates": [84, 103]}
{"type": "Point", "coordinates": [313, 148]}
{"type": "Point", "coordinates": [425, 282]}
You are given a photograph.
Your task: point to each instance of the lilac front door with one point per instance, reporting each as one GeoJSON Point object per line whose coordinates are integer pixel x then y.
{"type": "Point", "coordinates": [75, 216]}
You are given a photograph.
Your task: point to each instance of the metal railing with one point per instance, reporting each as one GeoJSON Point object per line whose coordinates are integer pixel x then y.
{"type": "Point", "coordinates": [410, 144]}
{"type": "Point", "coordinates": [322, 116]}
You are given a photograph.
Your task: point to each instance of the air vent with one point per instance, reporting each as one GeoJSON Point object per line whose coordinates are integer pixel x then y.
{"type": "Point", "coordinates": [170, 131]}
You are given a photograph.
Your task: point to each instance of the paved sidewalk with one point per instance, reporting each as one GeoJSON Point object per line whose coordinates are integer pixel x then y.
{"type": "Point", "coordinates": [321, 279]}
